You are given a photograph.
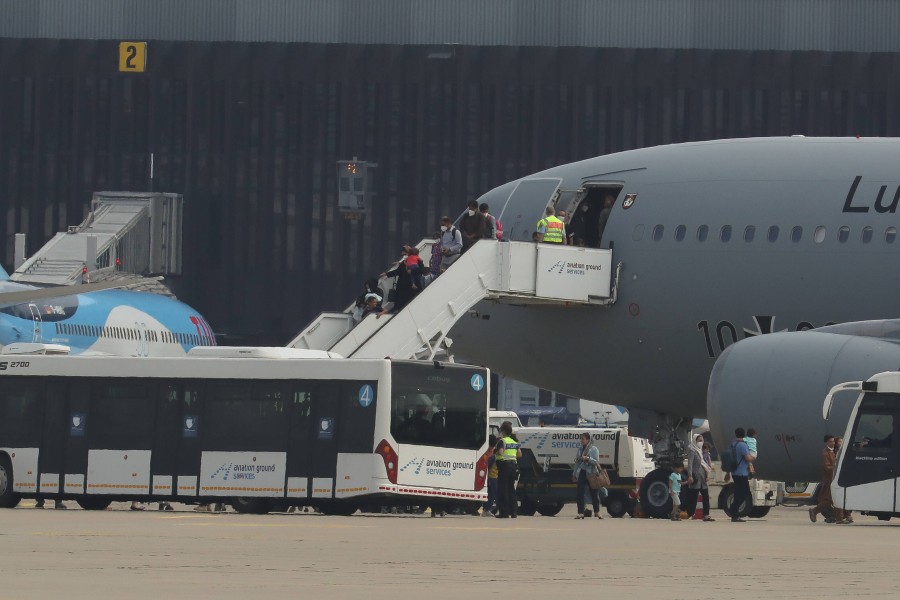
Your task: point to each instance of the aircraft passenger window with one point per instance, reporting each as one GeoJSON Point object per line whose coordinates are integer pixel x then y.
{"type": "Point", "coordinates": [749, 233]}
{"type": "Point", "coordinates": [796, 234]}
{"type": "Point", "coordinates": [658, 232]}
{"type": "Point", "coordinates": [890, 234]}
{"type": "Point", "coordinates": [866, 235]}
{"type": "Point", "coordinates": [702, 233]}
{"type": "Point", "coordinates": [725, 233]}
{"type": "Point", "coordinates": [843, 234]}
{"type": "Point", "coordinates": [819, 234]}
{"type": "Point", "coordinates": [679, 233]}
{"type": "Point", "coordinates": [638, 233]}
{"type": "Point", "coordinates": [773, 233]}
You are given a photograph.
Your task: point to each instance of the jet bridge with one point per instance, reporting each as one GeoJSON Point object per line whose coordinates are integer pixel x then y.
{"type": "Point", "coordinates": [510, 272]}
{"type": "Point", "coordinates": [134, 232]}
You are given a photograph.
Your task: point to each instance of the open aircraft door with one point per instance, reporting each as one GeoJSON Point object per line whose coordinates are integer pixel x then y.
{"type": "Point", "coordinates": [525, 207]}
{"type": "Point", "coordinates": [37, 333]}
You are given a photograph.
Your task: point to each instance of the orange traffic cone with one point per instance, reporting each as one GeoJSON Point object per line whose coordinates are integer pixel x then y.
{"type": "Point", "coordinates": [698, 512]}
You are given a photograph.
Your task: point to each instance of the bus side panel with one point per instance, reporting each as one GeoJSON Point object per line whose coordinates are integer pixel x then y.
{"type": "Point", "coordinates": [875, 497]}
{"type": "Point", "coordinates": [118, 472]}
{"type": "Point", "coordinates": [355, 474]}
{"type": "Point", "coordinates": [435, 467]}
{"type": "Point", "coordinates": [242, 474]}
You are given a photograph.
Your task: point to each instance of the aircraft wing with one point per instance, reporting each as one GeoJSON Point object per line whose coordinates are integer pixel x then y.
{"type": "Point", "coordinates": [24, 296]}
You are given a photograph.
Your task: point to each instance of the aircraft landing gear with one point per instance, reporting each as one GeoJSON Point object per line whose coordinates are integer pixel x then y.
{"type": "Point", "coordinates": [654, 493]}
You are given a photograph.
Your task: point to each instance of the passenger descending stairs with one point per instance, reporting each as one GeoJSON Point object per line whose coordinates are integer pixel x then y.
{"type": "Point", "coordinates": [519, 272]}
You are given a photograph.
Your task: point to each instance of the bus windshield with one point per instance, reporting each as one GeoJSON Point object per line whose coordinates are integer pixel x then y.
{"type": "Point", "coordinates": [443, 407]}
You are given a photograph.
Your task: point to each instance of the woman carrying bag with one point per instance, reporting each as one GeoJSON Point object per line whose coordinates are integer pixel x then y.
{"type": "Point", "coordinates": [587, 461]}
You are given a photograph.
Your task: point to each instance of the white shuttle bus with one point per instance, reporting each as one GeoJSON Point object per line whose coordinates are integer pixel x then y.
{"type": "Point", "coordinates": [262, 428]}
{"type": "Point", "coordinates": [867, 473]}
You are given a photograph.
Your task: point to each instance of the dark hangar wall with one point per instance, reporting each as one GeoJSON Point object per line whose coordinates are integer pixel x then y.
{"type": "Point", "coordinates": [250, 133]}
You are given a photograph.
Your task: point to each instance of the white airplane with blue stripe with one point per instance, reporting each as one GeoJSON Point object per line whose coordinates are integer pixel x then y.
{"type": "Point", "coordinates": [92, 319]}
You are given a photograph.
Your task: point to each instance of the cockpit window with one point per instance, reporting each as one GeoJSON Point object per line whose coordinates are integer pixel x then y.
{"type": "Point", "coordinates": [48, 311]}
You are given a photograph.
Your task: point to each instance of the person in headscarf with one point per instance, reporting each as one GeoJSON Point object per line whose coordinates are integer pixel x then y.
{"type": "Point", "coordinates": [698, 477]}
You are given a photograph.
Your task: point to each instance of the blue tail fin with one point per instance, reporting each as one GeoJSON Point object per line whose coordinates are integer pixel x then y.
{"type": "Point", "coordinates": [3, 274]}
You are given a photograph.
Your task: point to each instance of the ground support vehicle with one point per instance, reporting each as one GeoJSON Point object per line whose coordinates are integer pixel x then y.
{"type": "Point", "coordinates": [545, 483]}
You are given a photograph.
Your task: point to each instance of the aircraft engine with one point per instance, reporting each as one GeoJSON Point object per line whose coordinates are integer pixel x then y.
{"type": "Point", "coordinates": [776, 383]}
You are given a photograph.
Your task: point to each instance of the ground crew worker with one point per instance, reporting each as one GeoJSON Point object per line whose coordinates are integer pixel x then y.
{"type": "Point", "coordinates": [508, 453]}
{"type": "Point", "coordinates": [551, 230]}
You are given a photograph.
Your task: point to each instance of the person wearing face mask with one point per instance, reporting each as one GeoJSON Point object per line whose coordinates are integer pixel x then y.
{"type": "Point", "coordinates": [698, 475]}
{"type": "Point", "coordinates": [472, 226]}
{"type": "Point", "coordinates": [451, 243]}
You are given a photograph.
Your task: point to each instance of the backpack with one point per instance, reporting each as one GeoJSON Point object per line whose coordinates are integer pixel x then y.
{"type": "Point", "coordinates": [490, 228]}
{"type": "Point", "coordinates": [729, 459]}
{"type": "Point", "coordinates": [498, 227]}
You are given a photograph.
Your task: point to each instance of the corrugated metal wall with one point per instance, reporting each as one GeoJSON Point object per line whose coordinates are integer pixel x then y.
{"type": "Point", "coordinates": [250, 134]}
{"type": "Point", "coordinates": [828, 25]}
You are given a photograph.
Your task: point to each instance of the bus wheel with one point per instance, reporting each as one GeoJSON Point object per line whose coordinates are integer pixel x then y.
{"type": "Point", "coordinates": [725, 498]}
{"type": "Point", "coordinates": [7, 498]}
{"type": "Point", "coordinates": [253, 506]}
{"type": "Point", "coordinates": [527, 507]}
{"type": "Point", "coordinates": [550, 510]}
{"type": "Point", "coordinates": [654, 494]}
{"type": "Point", "coordinates": [338, 509]}
{"type": "Point", "coordinates": [758, 512]}
{"type": "Point", "coordinates": [617, 505]}
{"type": "Point", "coordinates": [93, 503]}
{"type": "Point", "coordinates": [883, 517]}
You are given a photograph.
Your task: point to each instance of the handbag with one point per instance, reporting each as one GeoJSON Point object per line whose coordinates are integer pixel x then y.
{"type": "Point", "coordinates": [598, 478]}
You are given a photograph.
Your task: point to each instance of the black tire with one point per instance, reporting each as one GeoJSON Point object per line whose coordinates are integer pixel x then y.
{"type": "Point", "coordinates": [8, 499]}
{"type": "Point", "coordinates": [550, 510]}
{"type": "Point", "coordinates": [758, 512]}
{"type": "Point", "coordinates": [725, 498]}
{"type": "Point", "coordinates": [93, 503]}
{"type": "Point", "coordinates": [338, 509]}
{"type": "Point", "coordinates": [883, 517]}
{"type": "Point", "coordinates": [617, 505]}
{"type": "Point", "coordinates": [654, 494]}
{"type": "Point", "coordinates": [527, 507]}
{"type": "Point", "coordinates": [251, 506]}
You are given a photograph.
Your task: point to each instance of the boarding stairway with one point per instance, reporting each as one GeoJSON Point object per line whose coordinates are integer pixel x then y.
{"type": "Point", "coordinates": [510, 272]}
{"type": "Point", "coordinates": [133, 232]}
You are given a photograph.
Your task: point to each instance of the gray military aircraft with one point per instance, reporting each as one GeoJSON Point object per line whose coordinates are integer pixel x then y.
{"type": "Point", "coordinates": [720, 242]}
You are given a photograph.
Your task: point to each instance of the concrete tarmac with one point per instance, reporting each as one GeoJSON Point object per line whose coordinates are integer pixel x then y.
{"type": "Point", "coordinates": [183, 554]}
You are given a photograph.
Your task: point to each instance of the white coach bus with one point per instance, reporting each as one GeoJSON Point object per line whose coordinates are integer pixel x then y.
{"type": "Point", "coordinates": [867, 474]}
{"type": "Point", "coordinates": [261, 428]}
